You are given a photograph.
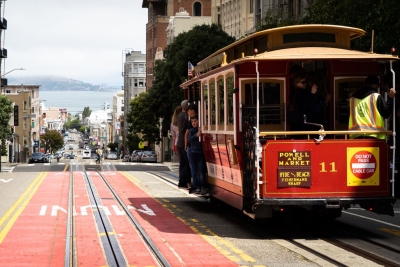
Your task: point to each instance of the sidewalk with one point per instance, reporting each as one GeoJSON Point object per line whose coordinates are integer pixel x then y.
{"type": "Point", "coordinates": [8, 164]}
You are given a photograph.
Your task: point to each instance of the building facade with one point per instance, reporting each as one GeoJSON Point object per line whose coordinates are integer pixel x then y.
{"type": "Point", "coordinates": [26, 120]}
{"type": "Point", "coordinates": [182, 22]}
{"type": "Point", "coordinates": [117, 117]}
{"type": "Point", "coordinates": [159, 13]}
{"type": "Point", "coordinates": [134, 82]}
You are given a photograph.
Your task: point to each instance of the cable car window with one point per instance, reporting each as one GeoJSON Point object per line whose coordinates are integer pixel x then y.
{"type": "Point", "coordinates": [221, 98]}
{"type": "Point", "coordinates": [229, 86]}
{"type": "Point", "coordinates": [212, 102]}
{"type": "Point", "coordinates": [270, 102]}
{"type": "Point", "coordinates": [205, 108]}
{"type": "Point", "coordinates": [309, 37]}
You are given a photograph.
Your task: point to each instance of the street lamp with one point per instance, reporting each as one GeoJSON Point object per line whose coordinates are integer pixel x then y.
{"type": "Point", "coordinates": [10, 71]}
{"type": "Point", "coordinates": [1, 76]}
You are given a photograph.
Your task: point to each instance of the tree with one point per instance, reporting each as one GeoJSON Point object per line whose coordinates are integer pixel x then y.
{"type": "Point", "coordinates": [83, 128]}
{"type": "Point", "coordinates": [165, 93]}
{"type": "Point", "coordinates": [6, 110]}
{"type": "Point", "coordinates": [379, 15]}
{"type": "Point", "coordinates": [52, 140]}
{"type": "Point", "coordinates": [133, 142]}
{"type": "Point", "coordinates": [86, 112]}
{"type": "Point", "coordinates": [142, 119]}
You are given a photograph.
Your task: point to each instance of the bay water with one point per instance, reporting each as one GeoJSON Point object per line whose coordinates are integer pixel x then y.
{"type": "Point", "coordinates": [75, 101]}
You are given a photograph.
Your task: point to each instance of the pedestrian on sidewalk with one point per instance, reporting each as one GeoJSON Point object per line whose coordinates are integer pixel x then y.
{"type": "Point", "coordinates": [197, 154]}
{"type": "Point", "coordinates": [184, 169]}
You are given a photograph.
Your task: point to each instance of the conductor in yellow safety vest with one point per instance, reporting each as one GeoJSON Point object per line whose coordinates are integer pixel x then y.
{"type": "Point", "coordinates": [368, 109]}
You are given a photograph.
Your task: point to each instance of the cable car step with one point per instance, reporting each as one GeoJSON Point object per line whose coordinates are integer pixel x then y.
{"type": "Point", "coordinates": [332, 203]}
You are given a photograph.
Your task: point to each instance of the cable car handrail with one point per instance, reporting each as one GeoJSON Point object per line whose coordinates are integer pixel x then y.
{"type": "Point", "coordinates": [276, 133]}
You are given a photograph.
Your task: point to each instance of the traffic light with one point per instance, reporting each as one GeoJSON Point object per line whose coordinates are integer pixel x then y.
{"type": "Point", "coordinates": [12, 129]}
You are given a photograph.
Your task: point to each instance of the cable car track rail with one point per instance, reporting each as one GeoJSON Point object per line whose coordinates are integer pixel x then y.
{"type": "Point", "coordinates": [113, 251]}
{"type": "Point", "coordinates": [152, 247]}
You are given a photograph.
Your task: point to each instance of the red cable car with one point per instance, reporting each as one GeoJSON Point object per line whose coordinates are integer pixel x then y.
{"type": "Point", "coordinates": [253, 161]}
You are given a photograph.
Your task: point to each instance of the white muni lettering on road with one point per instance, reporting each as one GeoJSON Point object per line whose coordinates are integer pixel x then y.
{"type": "Point", "coordinates": [147, 210]}
{"type": "Point", "coordinates": [43, 211]}
{"type": "Point", "coordinates": [84, 211]}
{"type": "Point", "coordinates": [5, 181]}
{"type": "Point", "coordinates": [117, 210]}
{"type": "Point", "coordinates": [54, 210]}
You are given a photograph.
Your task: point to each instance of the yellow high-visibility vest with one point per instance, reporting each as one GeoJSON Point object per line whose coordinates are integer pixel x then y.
{"type": "Point", "coordinates": [364, 115]}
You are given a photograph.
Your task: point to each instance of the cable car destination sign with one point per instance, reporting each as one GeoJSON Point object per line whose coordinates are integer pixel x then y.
{"type": "Point", "coordinates": [294, 169]}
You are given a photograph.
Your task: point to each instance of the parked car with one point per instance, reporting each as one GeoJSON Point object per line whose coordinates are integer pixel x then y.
{"type": "Point", "coordinates": [38, 157]}
{"type": "Point", "coordinates": [136, 155]}
{"type": "Point", "coordinates": [112, 155]}
{"type": "Point", "coordinates": [66, 156]}
{"type": "Point", "coordinates": [71, 156]}
{"type": "Point", "coordinates": [148, 156]}
{"type": "Point", "coordinates": [126, 158]}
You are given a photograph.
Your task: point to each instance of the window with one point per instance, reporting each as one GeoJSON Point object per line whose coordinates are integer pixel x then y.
{"type": "Point", "coordinates": [130, 82]}
{"type": "Point", "coordinates": [25, 124]}
{"type": "Point", "coordinates": [8, 91]}
{"type": "Point", "coordinates": [122, 101]}
{"type": "Point", "coordinates": [135, 83]}
{"type": "Point", "coordinates": [24, 105]}
{"type": "Point", "coordinates": [197, 9]}
{"type": "Point", "coordinates": [141, 67]}
{"type": "Point", "coordinates": [229, 86]}
{"type": "Point", "coordinates": [122, 108]}
{"type": "Point", "coordinates": [221, 98]}
{"type": "Point", "coordinates": [135, 67]}
{"type": "Point", "coordinates": [141, 83]}
{"type": "Point", "coordinates": [212, 103]}
{"type": "Point", "coordinates": [205, 109]}
{"type": "Point", "coordinates": [251, 6]}
{"type": "Point", "coordinates": [269, 99]}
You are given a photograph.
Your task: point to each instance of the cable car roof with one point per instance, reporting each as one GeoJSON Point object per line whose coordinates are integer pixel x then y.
{"type": "Point", "coordinates": [304, 53]}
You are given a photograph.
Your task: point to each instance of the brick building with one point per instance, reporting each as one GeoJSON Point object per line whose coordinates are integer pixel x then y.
{"type": "Point", "coordinates": [159, 13]}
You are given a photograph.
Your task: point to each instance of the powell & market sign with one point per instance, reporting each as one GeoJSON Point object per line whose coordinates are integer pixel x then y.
{"type": "Point", "coordinates": [294, 169]}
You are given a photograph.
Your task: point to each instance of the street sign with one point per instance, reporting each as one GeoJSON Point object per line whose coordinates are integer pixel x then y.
{"type": "Point", "coordinates": [15, 115]}
{"type": "Point", "coordinates": [141, 145]}
{"type": "Point", "coordinates": [35, 143]}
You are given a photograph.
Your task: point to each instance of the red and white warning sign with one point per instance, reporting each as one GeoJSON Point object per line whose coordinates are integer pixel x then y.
{"type": "Point", "coordinates": [363, 166]}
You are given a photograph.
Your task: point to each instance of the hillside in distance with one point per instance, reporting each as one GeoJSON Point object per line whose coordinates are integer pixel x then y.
{"type": "Point", "coordinates": [55, 83]}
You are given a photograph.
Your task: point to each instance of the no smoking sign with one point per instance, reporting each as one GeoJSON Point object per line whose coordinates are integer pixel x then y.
{"type": "Point", "coordinates": [363, 166]}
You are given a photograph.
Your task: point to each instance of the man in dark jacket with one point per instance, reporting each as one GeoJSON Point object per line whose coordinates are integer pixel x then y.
{"type": "Point", "coordinates": [184, 169]}
{"type": "Point", "coordinates": [368, 109]}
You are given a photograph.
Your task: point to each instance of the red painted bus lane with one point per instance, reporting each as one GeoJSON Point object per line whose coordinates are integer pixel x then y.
{"type": "Point", "coordinates": [135, 251]}
{"type": "Point", "coordinates": [177, 241]}
{"type": "Point", "coordinates": [89, 251]}
{"type": "Point", "coordinates": [37, 238]}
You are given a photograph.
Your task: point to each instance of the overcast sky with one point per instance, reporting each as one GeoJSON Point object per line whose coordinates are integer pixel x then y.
{"type": "Point", "coordinates": [76, 39]}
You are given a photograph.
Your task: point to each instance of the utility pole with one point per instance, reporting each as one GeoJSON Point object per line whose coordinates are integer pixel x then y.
{"type": "Point", "coordinates": [3, 26]}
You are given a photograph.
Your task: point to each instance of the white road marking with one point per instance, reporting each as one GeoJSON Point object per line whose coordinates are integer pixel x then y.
{"type": "Point", "coordinates": [5, 181]}
{"type": "Point", "coordinates": [379, 221]}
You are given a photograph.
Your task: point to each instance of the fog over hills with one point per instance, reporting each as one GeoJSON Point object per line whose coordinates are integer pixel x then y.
{"type": "Point", "coordinates": [55, 83]}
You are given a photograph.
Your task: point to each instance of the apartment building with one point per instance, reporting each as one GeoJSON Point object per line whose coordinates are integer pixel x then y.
{"type": "Point", "coordinates": [134, 81]}
{"type": "Point", "coordinates": [27, 115]}
{"type": "Point", "coordinates": [117, 116]}
{"type": "Point", "coordinates": [240, 17]}
{"type": "Point", "coordinates": [182, 22]}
